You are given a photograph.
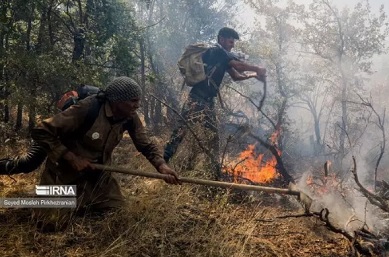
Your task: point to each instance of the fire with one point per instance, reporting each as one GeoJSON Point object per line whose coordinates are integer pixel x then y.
{"type": "Point", "coordinates": [274, 136]}
{"type": "Point", "coordinates": [324, 185]}
{"type": "Point", "coordinates": [253, 167]}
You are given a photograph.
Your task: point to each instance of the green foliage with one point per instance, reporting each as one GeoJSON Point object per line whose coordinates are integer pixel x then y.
{"type": "Point", "coordinates": [48, 47]}
{"type": "Point", "coordinates": [175, 24]}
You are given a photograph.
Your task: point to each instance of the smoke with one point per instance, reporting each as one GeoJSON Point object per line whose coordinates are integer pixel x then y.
{"type": "Point", "coordinates": [174, 24]}
{"type": "Point", "coordinates": [348, 208]}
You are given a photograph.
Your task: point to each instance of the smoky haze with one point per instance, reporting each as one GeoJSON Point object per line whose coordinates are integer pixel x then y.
{"type": "Point", "coordinates": [320, 83]}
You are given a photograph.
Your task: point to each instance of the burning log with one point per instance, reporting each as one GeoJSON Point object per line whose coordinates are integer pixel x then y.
{"type": "Point", "coordinates": [255, 168]}
{"type": "Point", "coordinates": [326, 184]}
{"type": "Point", "coordinates": [252, 167]}
{"type": "Point", "coordinates": [280, 164]}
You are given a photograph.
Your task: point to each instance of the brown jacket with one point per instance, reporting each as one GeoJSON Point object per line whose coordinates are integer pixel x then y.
{"type": "Point", "coordinates": [58, 135]}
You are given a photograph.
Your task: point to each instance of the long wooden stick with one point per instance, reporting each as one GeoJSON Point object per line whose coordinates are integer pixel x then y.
{"type": "Point", "coordinates": [200, 181]}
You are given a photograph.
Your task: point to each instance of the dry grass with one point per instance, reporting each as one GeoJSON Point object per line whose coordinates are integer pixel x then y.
{"type": "Point", "coordinates": [163, 220]}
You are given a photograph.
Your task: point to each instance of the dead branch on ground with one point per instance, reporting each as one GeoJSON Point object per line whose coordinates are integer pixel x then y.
{"type": "Point", "coordinates": [373, 198]}
{"type": "Point", "coordinates": [367, 245]}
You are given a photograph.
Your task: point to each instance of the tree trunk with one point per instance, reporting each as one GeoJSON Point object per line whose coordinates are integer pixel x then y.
{"type": "Point", "coordinates": [32, 107]}
{"type": "Point", "coordinates": [41, 34]}
{"type": "Point", "coordinates": [79, 44]}
{"type": "Point", "coordinates": [32, 91]}
{"type": "Point", "coordinates": [152, 111]}
{"type": "Point", "coordinates": [6, 113]}
{"type": "Point", "coordinates": [145, 105]}
{"type": "Point", "coordinates": [50, 26]}
{"type": "Point", "coordinates": [318, 144]}
{"type": "Point", "coordinates": [31, 116]}
{"type": "Point", "coordinates": [19, 117]}
{"type": "Point", "coordinates": [343, 126]}
{"type": "Point", "coordinates": [158, 115]}
{"type": "Point", "coordinates": [85, 21]}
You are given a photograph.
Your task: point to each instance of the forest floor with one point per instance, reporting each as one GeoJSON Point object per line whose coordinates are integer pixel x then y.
{"type": "Point", "coordinates": [166, 220]}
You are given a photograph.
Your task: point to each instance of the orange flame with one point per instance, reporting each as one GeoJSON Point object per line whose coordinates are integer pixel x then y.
{"type": "Point", "coordinates": [323, 185]}
{"type": "Point", "coordinates": [253, 167]}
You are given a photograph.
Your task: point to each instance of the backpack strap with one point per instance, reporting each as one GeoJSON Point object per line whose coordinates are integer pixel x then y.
{"type": "Point", "coordinates": [210, 81]}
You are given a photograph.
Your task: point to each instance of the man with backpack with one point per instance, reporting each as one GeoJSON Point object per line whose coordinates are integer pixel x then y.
{"type": "Point", "coordinates": [71, 153]}
{"type": "Point", "coordinates": [211, 67]}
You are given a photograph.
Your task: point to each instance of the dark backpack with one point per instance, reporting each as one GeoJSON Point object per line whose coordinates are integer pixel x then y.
{"type": "Point", "coordinates": [72, 97]}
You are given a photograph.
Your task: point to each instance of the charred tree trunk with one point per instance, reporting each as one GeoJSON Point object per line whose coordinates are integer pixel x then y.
{"type": "Point", "coordinates": [286, 177]}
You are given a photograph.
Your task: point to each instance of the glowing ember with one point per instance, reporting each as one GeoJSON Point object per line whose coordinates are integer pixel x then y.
{"type": "Point", "coordinates": [323, 185]}
{"type": "Point", "coordinates": [252, 167]}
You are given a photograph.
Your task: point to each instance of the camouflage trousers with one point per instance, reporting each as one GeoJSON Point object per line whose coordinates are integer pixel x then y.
{"type": "Point", "coordinates": [197, 113]}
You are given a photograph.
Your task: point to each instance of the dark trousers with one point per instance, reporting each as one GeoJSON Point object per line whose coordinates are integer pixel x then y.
{"type": "Point", "coordinates": [195, 111]}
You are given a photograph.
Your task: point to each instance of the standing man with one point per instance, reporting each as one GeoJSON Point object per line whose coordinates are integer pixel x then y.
{"type": "Point", "coordinates": [217, 61]}
{"type": "Point", "coordinates": [71, 153]}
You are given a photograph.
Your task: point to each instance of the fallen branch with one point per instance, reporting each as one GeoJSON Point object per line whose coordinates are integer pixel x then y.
{"type": "Point", "coordinates": [373, 199]}
{"type": "Point", "coordinates": [355, 245]}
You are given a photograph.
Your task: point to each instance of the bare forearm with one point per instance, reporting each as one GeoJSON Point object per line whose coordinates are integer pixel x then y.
{"type": "Point", "coordinates": [242, 66]}
{"type": "Point", "coordinates": [237, 76]}
{"type": "Point", "coordinates": [242, 76]}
